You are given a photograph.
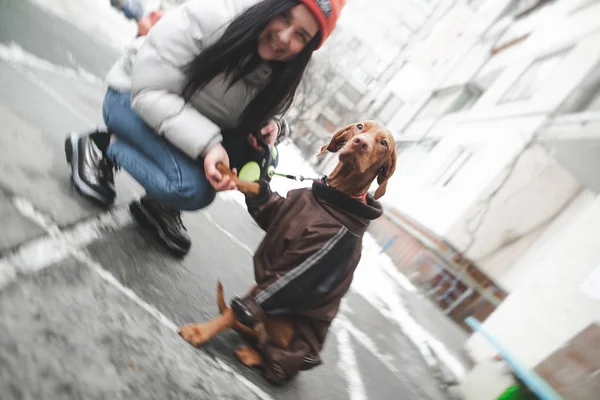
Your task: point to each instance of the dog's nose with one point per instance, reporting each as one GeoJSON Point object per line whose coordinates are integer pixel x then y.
{"type": "Point", "coordinates": [361, 143]}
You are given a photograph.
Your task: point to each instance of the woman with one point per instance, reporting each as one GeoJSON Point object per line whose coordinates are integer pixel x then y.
{"type": "Point", "coordinates": [132, 9]}
{"type": "Point", "coordinates": [207, 74]}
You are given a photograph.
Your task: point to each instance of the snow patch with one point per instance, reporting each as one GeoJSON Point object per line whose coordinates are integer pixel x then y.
{"type": "Point", "coordinates": [373, 283]}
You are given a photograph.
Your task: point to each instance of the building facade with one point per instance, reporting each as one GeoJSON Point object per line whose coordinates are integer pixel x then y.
{"type": "Point", "coordinates": [496, 114]}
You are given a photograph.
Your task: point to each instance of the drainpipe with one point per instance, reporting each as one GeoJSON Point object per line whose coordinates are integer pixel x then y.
{"type": "Point", "coordinates": [535, 382]}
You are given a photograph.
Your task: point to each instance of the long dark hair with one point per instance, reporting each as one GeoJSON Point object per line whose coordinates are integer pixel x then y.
{"type": "Point", "coordinates": [235, 54]}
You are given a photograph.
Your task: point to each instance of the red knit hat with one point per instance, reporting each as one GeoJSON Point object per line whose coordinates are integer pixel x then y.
{"type": "Point", "coordinates": [327, 13]}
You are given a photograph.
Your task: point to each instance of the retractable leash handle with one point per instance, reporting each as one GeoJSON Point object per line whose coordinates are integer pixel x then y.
{"type": "Point", "coordinates": [264, 168]}
{"type": "Point", "coordinates": [250, 189]}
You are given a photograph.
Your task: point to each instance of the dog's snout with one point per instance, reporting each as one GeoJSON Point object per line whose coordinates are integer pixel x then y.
{"type": "Point", "coordinates": [361, 143]}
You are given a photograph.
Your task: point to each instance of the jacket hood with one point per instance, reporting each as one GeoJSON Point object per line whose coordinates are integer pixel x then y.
{"type": "Point", "coordinates": [353, 213]}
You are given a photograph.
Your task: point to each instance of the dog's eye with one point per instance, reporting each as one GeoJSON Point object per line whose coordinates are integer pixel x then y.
{"type": "Point", "coordinates": [384, 143]}
{"type": "Point", "coordinates": [360, 127]}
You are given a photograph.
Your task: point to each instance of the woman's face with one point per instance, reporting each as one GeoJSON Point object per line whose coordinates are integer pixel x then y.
{"type": "Point", "coordinates": [287, 34]}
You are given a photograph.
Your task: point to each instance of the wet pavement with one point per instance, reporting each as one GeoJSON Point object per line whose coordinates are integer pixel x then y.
{"type": "Point", "coordinates": [89, 302]}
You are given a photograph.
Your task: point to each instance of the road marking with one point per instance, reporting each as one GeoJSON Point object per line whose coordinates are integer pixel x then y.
{"type": "Point", "coordinates": [60, 244]}
{"type": "Point", "coordinates": [42, 253]}
{"type": "Point", "coordinates": [342, 322]}
{"type": "Point", "coordinates": [48, 250]}
{"type": "Point", "coordinates": [348, 366]}
{"type": "Point", "coordinates": [14, 54]}
{"type": "Point", "coordinates": [31, 77]}
{"type": "Point", "coordinates": [229, 235]}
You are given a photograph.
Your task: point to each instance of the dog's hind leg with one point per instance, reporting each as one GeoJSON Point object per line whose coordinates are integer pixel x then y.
{"type": "Point", "coordinates": [248, 356]}
{"type": "Point", "coordinates": [198, 334]}
{"type": "Point", "coordinates": [237, 326]}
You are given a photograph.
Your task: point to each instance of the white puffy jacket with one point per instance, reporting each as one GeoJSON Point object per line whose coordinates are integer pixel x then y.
{"type": "Point", "coordinates": [153, 69]}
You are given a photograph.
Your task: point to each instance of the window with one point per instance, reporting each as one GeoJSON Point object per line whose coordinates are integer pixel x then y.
{"type": "Point", "coordinates": [594, 104]}
{"type": "Point", "coordinates": [586, 97]}
{"type": "Point", "coordinates": [484, 81]}
{"type": "Point", "coordinates": [328, 75]}
{"type": "Point", "coordinates": [341, 104]}
{"type": "Point", "coordinates": [523, 8]}
{"type": "Point", "coordinates": [389, 108]}
{"type": "Point", "coordinates": [450, 100]}
{"type": "Point", "coordinates": [326, 123]}
{"type": "Point", "coordinates": [300, 131]}
{"type": "Point", "coordinates": [340, 108]}
{"type": "Point", "coordinates": [350, 92]}
{"type": "Point", "coordinates": [532, 79]}
{"type": "Point", "coordinates": [527, 15]}
{"type": "Point", "coordinates": [355, 44]}
{"type": "Point", "coordinates": [466, 99]}
{"type": "Point", "coordinates": [452, 166]}
{"type": "Point", "coordinates": [362, 75]}
{"type": "Point", "coordinates": [411, 155]}
{"type": "Point", "coordinates": [583, 5]}
{"type": "Point", "coordinates": [374, 64]}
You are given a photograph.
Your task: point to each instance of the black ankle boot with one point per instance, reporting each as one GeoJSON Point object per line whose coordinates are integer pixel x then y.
{"type": "Point", "coordinates": [164, 222]}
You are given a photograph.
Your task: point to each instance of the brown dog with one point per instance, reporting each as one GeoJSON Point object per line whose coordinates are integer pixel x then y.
{"type": "Point", "coordinates": [366, 154]}
{"type": "Point", "coordinates": [305, 263]}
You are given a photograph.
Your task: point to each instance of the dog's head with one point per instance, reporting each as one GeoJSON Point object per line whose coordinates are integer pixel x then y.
{"type": "Point", "coordinates": [368, 148]}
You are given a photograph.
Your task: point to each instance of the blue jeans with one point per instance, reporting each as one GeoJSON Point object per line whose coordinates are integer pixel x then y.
{"type": "Point", "coordinates": [133, 10]}
{"type": "Point", "coordinates": [168, 175]}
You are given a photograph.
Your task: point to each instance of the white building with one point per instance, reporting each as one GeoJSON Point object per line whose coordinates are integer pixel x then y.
{"type": "Point", "coordinates": [349, 76]}
{"type": "Point", "coordinates": [498, 143]}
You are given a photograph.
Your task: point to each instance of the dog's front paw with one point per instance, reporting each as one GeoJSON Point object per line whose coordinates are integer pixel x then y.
{"type": "Point", "coordinates": [192, 333]}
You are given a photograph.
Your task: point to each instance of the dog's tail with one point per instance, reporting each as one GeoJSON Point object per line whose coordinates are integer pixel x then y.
{"type": "Point", "coordinates": [221, 298]}
{"type": "Point", "coordinates": [237, 326]}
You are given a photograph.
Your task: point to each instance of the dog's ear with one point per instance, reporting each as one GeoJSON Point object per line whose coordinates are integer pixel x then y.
{"type": "Point", "coordinates": [338, 140]}
{"type": "Point", "coordinates": [386, 171]}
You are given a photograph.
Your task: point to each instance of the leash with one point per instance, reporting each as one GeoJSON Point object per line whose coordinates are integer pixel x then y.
{"type": "Point", "coordinates": [264, 168]}
{"type": "Point", "coordinates": [298, 178]}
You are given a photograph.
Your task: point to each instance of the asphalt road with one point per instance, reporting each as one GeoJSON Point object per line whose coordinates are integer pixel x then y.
{"type": "Point", "coordinates": [88, 301]}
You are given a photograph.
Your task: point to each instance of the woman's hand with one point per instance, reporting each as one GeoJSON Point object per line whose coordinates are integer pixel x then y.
{"type": "Point", "coordinates": [270, 131]}
{"type": "Point", "coordinates": [218, 154]}
{"type": "Point", "coordinates": [269, 134]}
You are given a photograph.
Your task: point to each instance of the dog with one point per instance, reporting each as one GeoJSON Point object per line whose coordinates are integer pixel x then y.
{"type": "Point", "coordinates": [305, 263]}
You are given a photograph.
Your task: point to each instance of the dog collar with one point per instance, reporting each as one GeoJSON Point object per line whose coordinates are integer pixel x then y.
{"type": "Point", "coordinates": [361, 197]}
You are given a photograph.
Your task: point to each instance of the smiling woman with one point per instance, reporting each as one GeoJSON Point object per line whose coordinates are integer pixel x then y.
{"type": "Point", "coordinates": [186, 98]}
{"type": "Point", "coordinates": [287, 34]}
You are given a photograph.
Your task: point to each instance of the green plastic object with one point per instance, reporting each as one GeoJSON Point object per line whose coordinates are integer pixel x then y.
{"type": "Point", "coordinates": [250, 172]}
{"type": "Point", "coordinates": [515, 392]}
